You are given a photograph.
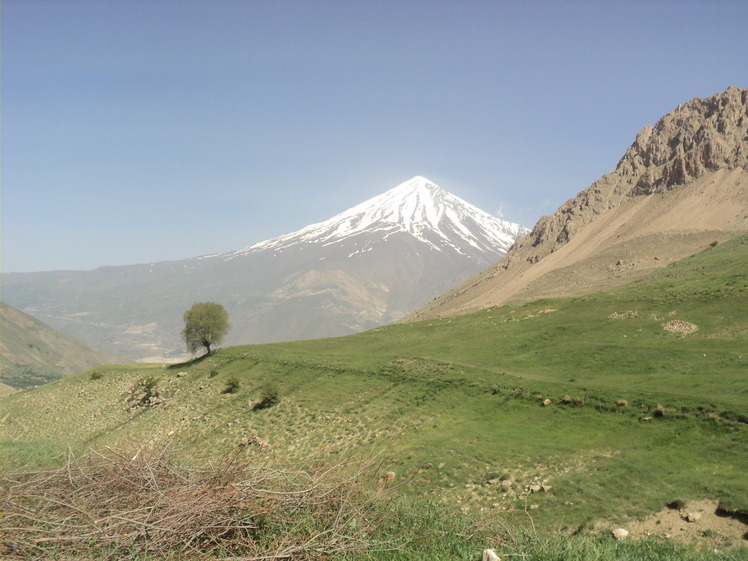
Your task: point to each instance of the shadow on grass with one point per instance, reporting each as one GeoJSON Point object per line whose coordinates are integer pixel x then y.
{"type": "Point", "coordinates": [192, 361]}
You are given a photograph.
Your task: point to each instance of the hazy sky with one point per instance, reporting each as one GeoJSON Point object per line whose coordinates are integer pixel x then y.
{"type": "Point", "coordinates": [137, 131]}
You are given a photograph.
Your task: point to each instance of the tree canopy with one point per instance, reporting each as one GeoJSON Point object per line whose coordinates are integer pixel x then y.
{"type": "Point", "coordinates": [205, 324]}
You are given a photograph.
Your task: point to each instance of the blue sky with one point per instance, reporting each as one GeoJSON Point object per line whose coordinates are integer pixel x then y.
{"type": "Point", "coordinates": [149, 130]}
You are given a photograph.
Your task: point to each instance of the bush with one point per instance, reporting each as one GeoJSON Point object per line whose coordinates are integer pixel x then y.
{"type": "Point", "coordinates": [149, 386]}
{"type": "Point", "coordinates": [96, 375]}
{"type": "Point", "coordinates": [269, 396]}
{"type": "Point", "coordinates": [232, 385]}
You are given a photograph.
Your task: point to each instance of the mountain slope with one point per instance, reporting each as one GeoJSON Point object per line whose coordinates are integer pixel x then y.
{"type": "Point", "coordinates": [681, 186]}
{"type": "Point", "coordinates": [34, 353]}
{"type": "Point", "coordinates": [365, 267]}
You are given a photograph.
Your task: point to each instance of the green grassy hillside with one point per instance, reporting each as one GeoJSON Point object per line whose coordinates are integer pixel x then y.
{"type": "Point", "coordinates": [639, 416]}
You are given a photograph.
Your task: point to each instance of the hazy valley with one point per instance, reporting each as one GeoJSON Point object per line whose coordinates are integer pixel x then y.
{"type": "Point", "coordinates": [367, 266]}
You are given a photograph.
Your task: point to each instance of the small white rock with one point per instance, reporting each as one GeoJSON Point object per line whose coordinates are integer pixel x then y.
{"type": "Point", "coordinates": [620, 533]}
{"type": "Point", "coordinates": [490, 555]}
{"type": "Point", "coordinates": [693, 516]}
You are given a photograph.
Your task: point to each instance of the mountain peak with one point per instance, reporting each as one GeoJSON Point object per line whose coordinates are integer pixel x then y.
{"type": "Point", "coordinates": [418, 207]}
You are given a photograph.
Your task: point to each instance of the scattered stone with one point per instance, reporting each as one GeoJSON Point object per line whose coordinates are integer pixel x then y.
{"type": "Point", "coordinates": [533, 507]}
{"type": "Point", "coordinates": [490, 555]}
{"type": "Point", "coordinates": [441, 465]}
{"type": "Point", "coordinates": [546, 402]}
{"type": "Point", "coordinates": [181, 374]}
{"type": "Point", "coordinates": [494, 481]}
{"type": "Point", "coordinates": [506, 483]}
{"type": "Point", "coordinates": [619, 533]}
{"type": "Point", "coordinates": [679, 326]}
{"type": "Point", "coordinates": [623, 315]}
{"type": "Point", "coordinates": [645, 419]}
{"type": "Point", "coordinates": [536, 488]}
{"type": "Point", "coordinates": [545, 488]}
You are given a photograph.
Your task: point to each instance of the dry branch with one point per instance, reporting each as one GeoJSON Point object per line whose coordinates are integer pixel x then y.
{"type": "Point", "coordinates": [112, 504]}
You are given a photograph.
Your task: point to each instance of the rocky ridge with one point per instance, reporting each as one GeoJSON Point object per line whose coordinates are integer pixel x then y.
{"type": "Point", "coordinates": [681, 184]}
{"type": "Point", "coordinates": [701, 136]}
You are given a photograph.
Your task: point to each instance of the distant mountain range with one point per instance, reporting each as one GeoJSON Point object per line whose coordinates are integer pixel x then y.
{"type": "Point", "coordinates": [365, 267]}
{"type": "Point", "coordinates": [680, 187]}
{"type": "Point", "coordinates": [33, 353]}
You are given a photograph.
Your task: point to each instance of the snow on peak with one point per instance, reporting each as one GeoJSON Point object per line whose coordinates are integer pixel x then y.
{"type": "Point", "coordinates": [417, 206]}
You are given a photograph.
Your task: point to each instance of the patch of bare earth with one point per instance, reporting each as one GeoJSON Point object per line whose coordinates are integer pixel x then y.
{"type": "Point", "coordinates": [697, 521]}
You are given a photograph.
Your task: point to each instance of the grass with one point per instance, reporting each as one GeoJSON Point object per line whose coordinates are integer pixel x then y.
{"type": "Point", "coordinates": [147, 506]}
{"type": "Point", "coordinates": [450, 404]}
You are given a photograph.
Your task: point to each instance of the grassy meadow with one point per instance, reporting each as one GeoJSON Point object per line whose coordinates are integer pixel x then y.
{"type": "Point", "coordinates": [635, 416]}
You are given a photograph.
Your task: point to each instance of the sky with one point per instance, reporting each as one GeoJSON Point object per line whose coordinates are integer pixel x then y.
{"type": "Point", "coordinates": [141, 131]}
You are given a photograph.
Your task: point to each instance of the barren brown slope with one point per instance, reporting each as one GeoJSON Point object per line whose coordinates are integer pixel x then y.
{"type": "Point", "coordinates": [680, 186]}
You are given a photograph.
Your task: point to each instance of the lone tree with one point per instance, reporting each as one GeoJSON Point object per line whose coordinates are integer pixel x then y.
{"type": "Point", "coordinates": [205, 324]}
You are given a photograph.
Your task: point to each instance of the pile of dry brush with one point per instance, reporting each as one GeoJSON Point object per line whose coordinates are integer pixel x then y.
{"type": "Point", "coordinates": [108, 505]}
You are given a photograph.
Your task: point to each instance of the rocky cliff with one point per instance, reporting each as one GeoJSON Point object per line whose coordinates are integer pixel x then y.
{"type": "Point", "coordinates": [680, 184]}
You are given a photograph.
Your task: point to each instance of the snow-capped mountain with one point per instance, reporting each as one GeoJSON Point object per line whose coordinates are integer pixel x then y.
{"type": "Point", "coordinates": [418, 207]}
{"type": "Point", "coordinates": [367, 266]}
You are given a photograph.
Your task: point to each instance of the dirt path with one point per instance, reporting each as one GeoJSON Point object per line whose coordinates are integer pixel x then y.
{"type": "Point", "coordinates": [696, 521]}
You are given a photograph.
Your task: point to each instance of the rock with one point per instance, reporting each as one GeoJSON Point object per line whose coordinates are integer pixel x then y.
{"type": "Point", "coordinates": [546, 402]}
{"type": "Point", "coordinates": [181, 374]}
{"type": "Point", "coordinates": [506, 483]}
{"type": "Point", "coordinates": [690, 516]}
{"type": "Point", "coordinates": [490, 555]}
{"type": "Point", "coordinates": [535, 488]}
{"type": "Point", "coordinates": [620, 533]}
{"type": "Point", "coordinates": [493, 481]}
{"type": "Point", "coordinates": [545, 488]}
{"type": "Point", "coordinates": [388, 477]}
{"type": "Point", "coordinates": [261, 443]}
